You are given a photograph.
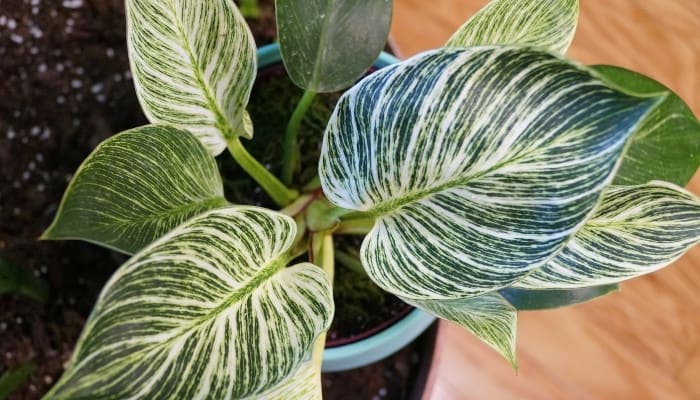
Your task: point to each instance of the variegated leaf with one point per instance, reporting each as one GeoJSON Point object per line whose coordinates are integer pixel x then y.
{"type": "Point", "coordinates": [545, 24]}
{"type": "Point", "coordinates": [209, 311]}
{"type": "Point", "coordinates": [478, 164]}
{"type": "Point", "coordinates": [193, 64]}
{"type": "Point", "coordinates": [327, 45]}
{"type": "Point", "coordinates": [490, 317]}
{"type": "Point", "coordinates": [636, 230]}
{"type": "Point", "coordinates": [303, 384]}
{"type": "Point", "coordinates": [136, 186]}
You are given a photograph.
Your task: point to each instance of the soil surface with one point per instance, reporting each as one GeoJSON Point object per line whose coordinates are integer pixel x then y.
{"type": "Point", "coordinates": [65, 86]}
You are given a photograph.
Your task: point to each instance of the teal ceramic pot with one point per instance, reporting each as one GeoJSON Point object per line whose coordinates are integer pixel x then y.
{"type": "Point", "coordinates": [389, 340]}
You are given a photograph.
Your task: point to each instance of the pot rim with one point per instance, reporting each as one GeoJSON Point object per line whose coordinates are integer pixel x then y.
{"type": "Point", "coordinates": [393, 337]}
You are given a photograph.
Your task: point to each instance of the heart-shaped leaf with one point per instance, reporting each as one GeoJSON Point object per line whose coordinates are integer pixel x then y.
{"type": "Point", "coordinates": [636, 230]}
{"type": "Point", "coordinates": [545, 24]}
{"type": "Point", "coordinates": [490, 317]}
{"type": "Point", "coordinates": [208, 311]}
{"type": "Point", "coordinates": [328, 44]}
{"type": "Point", "coordinates": [193, 64]}
{"type": "Point", "coordinates": [135, 187]}
{"type": "Point", "coordinates": [666, 145]}
{"type": "Point", "coordinates": [529, 299]}
{"type": "Point", "coordinates": [479, 164]}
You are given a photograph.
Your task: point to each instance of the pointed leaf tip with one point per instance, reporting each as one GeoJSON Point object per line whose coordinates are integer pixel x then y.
{"type": "Point", "coordinates": [544, 24]}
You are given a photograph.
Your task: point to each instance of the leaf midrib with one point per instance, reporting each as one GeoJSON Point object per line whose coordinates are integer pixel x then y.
{"type": "Point", "coordinates": [222, 122]}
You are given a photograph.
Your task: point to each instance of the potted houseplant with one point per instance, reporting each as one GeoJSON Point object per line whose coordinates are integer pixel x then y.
{"type": "Point", "coordinates": [487, 176]}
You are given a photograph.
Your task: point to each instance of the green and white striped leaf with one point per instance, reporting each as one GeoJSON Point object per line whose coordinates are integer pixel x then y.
{"type": "Point", "coordinates": [209, 311]}
{"type": "Point", "coordinates": [636, 230]}
{"type": "Point", "coordinates": [666, 146]}
{"type": "Point", "coordinates": [136, 186]}
{"type": "Point", "coordinates": [303, 384]}
{"type": "Point", "coordinates": [543, 299]}
{"type": "Point", "coordinates": [479, 164]}
{"type": "Point", "coordinates": [193, 64]}
{"type": "Point", "coordinates": [327, 45]}
{"type": "Point", "coordinates": [490, 317]}
{"type": "Point", "coordinates": [544, 24]}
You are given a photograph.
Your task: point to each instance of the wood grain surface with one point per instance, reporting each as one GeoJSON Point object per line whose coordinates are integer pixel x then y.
{"type": "Point", "coordinates": [641, 343]}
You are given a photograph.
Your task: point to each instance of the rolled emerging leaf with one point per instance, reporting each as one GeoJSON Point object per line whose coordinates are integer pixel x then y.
{"type": "Point", "coordinates": [209, 311]}
{"type": "Point", "coordinates": [328, 44]}
{"type": "Point", "coordinates": [193, 64]}
{"type": "Point", "coordinates": [636, 230]}
{"type": "Point", "coordinates": [489, 317]}
{"type": "Point", "coordinates": [479, 164]}
{"type": "Point", "coordinates": [544, 24]}
{"type": "Point", "coordinates": [136, 186]}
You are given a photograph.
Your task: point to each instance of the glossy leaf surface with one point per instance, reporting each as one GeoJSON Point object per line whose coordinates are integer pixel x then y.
{"type": "Point", "coordinates": [193, 64]}
{"type": "Point", "coordinates": [666, 145]}
{"type": "Point", "coordinates": [328, 44]}
{"type": "Point", "coordinates": [636, 230]}
{"type": "Point", "coordinates": [210, 311]}
{"type": "Point", "coordinates": [136, 186]}
{"type": "Point", "coordinates": [479, 164]}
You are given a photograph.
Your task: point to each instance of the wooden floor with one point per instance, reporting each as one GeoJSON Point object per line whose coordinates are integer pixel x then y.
{"type": "Point", "coordinates": [641, 343]}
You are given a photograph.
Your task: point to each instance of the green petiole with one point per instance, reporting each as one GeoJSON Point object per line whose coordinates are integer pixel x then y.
{"type": "Point", "coordinates": [280, 194]}
{"type": "Point", "coordinates": [291, 153]}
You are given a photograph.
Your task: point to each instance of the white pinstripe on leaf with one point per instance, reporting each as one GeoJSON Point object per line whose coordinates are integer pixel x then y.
{"type": "Point", "coordinates": [193, 64]}
{"type": "Point", "coordinates": [544, 24]}
{"type": "Point", "coordinates": [489, 317]}
{"type": "Point", "coordinates": [478, 163]}
{"type": "Point", "coordinates": [635, 231]}
{"type": "Point", "coordinates": [209, 311]}
{"type": "Point", "coordinates": [136, 186]}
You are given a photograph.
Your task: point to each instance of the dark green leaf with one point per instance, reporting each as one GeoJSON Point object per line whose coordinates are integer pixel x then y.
{"type": "Point", "coordinates": [17, 280]}
{"type": "Point", "coordinates": [12, 379]}
{"type": "Point", "coordinates": [524, 299]}
{"type": "Point", "coordinates": [328, 44]}
{"type": "Point", "coordinates": [666, 146]}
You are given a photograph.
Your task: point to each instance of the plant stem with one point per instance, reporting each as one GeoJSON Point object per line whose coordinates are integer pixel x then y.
{"type": "Point", "coordinates": [355, 226]}
{"type": "Point", "coordinates": [351, 262]}
{"type": "Point", "coordinates": [322, 254]}
{"type": "Point", "coordinates": [280, 194]}
{"type": "Point", "coordinates": [291, 146]}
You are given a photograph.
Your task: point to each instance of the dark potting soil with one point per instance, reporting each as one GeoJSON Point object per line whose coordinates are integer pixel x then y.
{"type": "Point", "coordinates": [65, 86]}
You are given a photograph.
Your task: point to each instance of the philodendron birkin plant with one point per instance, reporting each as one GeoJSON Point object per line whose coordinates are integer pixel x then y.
{"type": "Point", "coordinates": [488, 176]}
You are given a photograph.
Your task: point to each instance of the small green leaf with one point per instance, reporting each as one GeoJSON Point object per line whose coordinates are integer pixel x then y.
{"type": "Point", "coordinates": [136, 186]}
{"type": "Point", "coordinates": [208, 311]}
{"type": "Point", "coordinates": [193, 64]}
{"type": "Point", "coordinates": [545, 24]}
{"type": "Point", "coordinates": [14, 378]}
{"type": "Point", "coordinates": [526, 299]}
{"type": "Point", "coordinates": [490, 317]}
{"type": "Point", "coordinates": [328, 44]}
{"type": "Point", "coordinates": [635, 231]}
{"type": "Point", "coordinates": [489, 161]}
{"type": "Point", "coordinates": [17, 280]}
{"type": "Point", "coordinates": [666, 145]}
